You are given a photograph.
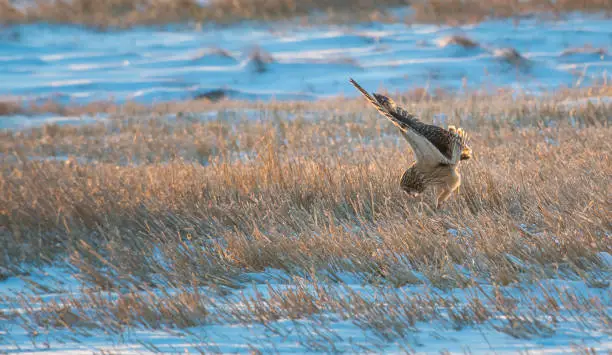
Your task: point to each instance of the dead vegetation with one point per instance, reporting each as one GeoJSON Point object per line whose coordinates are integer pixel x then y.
{"type": "Point", "coordinates": [102, 14]}
{"type": "Point", "coordinates": [587, 49]}
{"type": "Point", "coordinates": [456, 12]}
{"type": "Point", "coordinates": [260, 59]}
{"type": "Point", "coordinates": [147, 205]}
{"type": "Point", "coordinates": [9, 108]}
{"type": "Point", "coordinates": [242, 185]}
{"type": "Point", "coordinates": [125, 13]}
{"type": "Point", "coordinates": [308, 311]}
{"type": "Point", "coordinates": [457, 40]}
{"type": "Point", "coordinates": [511, 56]}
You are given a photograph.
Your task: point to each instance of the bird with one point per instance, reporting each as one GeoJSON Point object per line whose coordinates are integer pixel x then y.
{"type": "Point", "coordinates": [438, 151]}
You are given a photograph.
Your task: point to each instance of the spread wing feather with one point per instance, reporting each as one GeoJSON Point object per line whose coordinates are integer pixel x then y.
{"type": "Point", "coordinates": [431, 144]}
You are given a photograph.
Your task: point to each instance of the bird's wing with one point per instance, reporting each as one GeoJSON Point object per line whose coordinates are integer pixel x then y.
{"type": "Point", "coordinates": [431, 144]}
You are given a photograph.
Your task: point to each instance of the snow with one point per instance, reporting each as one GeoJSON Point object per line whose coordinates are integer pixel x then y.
{"type": "Point", "coordinates": [330, 330]}
{"type": "Point", "coordinates": [73, 64]}
{"type": "Point", "coordinates": [28, 121]}
{"type": "Point", "coordinates": [33, 280]}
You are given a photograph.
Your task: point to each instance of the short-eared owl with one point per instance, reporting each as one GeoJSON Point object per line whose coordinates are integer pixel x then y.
{"type": "Point", "coordinates": [438, 151]}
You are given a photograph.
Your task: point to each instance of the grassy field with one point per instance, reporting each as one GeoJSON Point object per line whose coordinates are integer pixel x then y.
{"type": "Point", "coordinates": [125, 13]}
{"type": "Point", "coordinates": [146, 203]}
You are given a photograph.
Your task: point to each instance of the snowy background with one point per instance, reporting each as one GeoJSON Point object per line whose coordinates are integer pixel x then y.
{"type": "Point", "coordinates": [69, 64]}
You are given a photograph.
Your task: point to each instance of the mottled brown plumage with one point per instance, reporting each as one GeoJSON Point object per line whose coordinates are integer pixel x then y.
{"type": "Point", "coordinates": [438, 151]}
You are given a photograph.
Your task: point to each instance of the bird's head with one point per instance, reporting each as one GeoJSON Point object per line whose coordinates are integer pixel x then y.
{"type": "Point", "coordinates": [464, 138]}
{"type": "Point", "coordinates": [466, 153]}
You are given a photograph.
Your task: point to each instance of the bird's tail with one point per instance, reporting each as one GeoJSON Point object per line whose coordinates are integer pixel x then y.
{"type": "Point", "coordinates": [387, 107]}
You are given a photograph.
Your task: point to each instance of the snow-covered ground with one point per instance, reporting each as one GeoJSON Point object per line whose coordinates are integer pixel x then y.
{"type": "Point", "coordinates": [72, 64]}
{"type": "Point", "coordinates": [578, 323]}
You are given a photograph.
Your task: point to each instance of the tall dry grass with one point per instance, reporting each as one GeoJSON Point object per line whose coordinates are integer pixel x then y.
{"type": "Point", "coordinates": [456, 12]}
{"type": "Point", "coordinates": [292, 192]}
{"type": "Point", "coordinates": [146, 210]}
{"type": "Point", "coordinates": [124, 13]}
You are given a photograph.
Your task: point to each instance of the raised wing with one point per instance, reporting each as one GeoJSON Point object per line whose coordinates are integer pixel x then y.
{"type": "Point", "coordinates": [431, 144]}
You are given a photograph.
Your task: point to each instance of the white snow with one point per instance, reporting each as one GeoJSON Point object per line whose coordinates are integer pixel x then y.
{"type": "Point", "coordinates": [27, 121]}
{"type": "Point", "coordinates": [290, 336]}
{"type": "Point", "coordinates": [78, 65]}
{"type": "Point", "coordinates": [66, 61]}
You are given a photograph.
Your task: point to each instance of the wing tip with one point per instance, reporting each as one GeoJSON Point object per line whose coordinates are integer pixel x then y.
{"type": "Point", "coordinates": [355, 84]}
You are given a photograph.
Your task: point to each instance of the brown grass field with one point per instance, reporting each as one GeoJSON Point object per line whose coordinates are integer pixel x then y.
{"type": "Point", "coordinates": [147, 203]}
{"type": "Point", "coordinates": [125, 13]}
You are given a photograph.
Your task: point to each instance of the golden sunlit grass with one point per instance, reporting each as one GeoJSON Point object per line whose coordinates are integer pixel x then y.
{"type": "Point", "coordinates": [252, 189]}
{"type": "Point", "coordinates": [124, 13]}
{"type": "Point", "coordinates": [312, 189]}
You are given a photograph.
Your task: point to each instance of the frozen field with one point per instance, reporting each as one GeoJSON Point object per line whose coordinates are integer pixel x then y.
{"type": "Point", "coordinates": [71, 64]}
{"type": "Point", "coordinates": [298, 262]}
{"type": "Point", "coordinates": [277, 229]}
{"type": "Point", "coordinates": [582, 323]}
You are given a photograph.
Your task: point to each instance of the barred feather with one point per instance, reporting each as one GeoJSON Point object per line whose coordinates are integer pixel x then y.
{"type": "Point", "coordinates": [430, 143]}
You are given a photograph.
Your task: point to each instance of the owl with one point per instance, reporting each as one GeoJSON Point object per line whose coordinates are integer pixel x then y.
{"type": "Point", "coordinates": [438, 151]}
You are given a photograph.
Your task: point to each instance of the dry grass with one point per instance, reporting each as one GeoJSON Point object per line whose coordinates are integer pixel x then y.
{"type": "Point", "coordinates": [216, 100]}
{"type": "Point", "coordinates": [9, 108]}
{"type": "Point", "coordinates": [308, 310]}
{"type": "Point", "coordinates": [103, 14]}
{"type": "Point", "coordinates": [225, 11]}
{"type": "Point", "coordinates": [125, 13]}
{"type": "Point", "coordinates": [455, 12]}
{"type": "Point", "coordinates": [148, 204]}
{"type": "Point", "coordinates": [456, 40]}
{"type": "Point", "coordinates": [241, 187]}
